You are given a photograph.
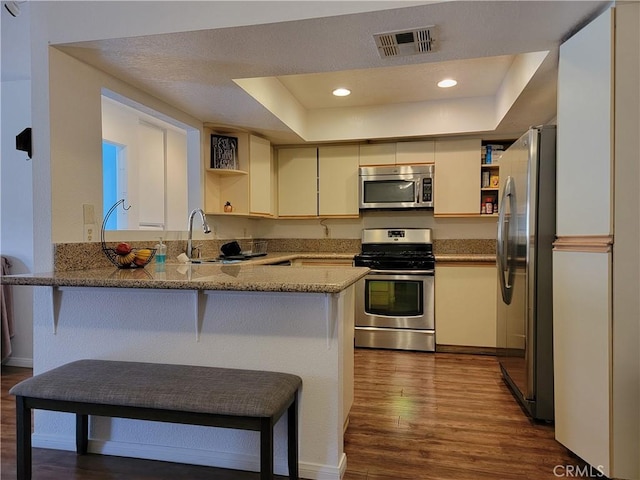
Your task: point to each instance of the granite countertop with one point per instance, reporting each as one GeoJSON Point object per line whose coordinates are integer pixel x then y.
{"type": "Point", "coordinates": [258, 274]}
{"type": "Point", "coordinates": [465, 258]}
{"type": "Point", "coordinates": [250, 275]}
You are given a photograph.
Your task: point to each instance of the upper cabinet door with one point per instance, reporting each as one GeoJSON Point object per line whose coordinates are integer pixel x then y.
{"type": "Point", "coordinates": [457, 177]}
{"type": "Point", "coordinates": [378, 154]}
{"type": "Point", "coordinates": [415, 152]}
{"type": "Point", "coordinates": [298, 182]}
{"type": "Point", "coordinates": [261, 181]}
{"type": "Point", "coordinates": [338, 181]}
{"type": "Point", "coordinates": [584, 144]}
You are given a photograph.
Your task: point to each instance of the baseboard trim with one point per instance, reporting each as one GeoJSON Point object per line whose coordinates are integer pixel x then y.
{"type": "Point", "coordinates": [23, 362]}
{"type": "Point", "coordinates": [207, 458]}
{"type": "Point", "coordinates": [465, 349]}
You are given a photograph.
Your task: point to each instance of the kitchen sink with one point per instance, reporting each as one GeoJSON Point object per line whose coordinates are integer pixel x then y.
{"type": "Point", "coordinates": [206, 260]}
{"type": "Point", "coordinates": [221, 261]}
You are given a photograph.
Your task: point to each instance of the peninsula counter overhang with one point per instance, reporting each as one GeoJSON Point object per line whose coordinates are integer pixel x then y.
{"type": "Point", "coordinates": [231, 277]}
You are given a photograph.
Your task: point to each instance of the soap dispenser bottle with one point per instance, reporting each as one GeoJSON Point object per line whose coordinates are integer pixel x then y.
{"type": "Point", "coordinates": [161, 252]}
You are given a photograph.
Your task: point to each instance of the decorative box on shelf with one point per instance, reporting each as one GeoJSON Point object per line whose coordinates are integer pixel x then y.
{"type": "Point", "coordinates": [224, 152]}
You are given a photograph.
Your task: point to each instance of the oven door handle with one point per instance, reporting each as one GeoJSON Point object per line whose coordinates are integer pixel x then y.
{"type": "Point", "coordinates": [402, 272]}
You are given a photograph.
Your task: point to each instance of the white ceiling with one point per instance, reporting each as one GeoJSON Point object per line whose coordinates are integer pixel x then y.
{"type": "Point", "coordinates": [477, 42]}
{"type": "Point", "coordinates": [477, 77]}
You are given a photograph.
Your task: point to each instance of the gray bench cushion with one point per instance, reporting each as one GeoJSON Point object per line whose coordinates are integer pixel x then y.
{"type": "Point", "coordinates": [187, 388]}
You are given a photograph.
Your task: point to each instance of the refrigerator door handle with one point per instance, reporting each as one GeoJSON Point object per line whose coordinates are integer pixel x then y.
{"type": "Point", "coordinates": [504, 241]}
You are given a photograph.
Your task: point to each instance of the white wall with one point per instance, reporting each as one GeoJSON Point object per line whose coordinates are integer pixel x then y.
{"type": "Point", "coordinates": [626, 260]}
{"type": "Point", "coordinates": [76, 140]}
{"type": "Point", "coordinates": [176, 201]}
{"type": "Point", "coordinates": [16, 228]}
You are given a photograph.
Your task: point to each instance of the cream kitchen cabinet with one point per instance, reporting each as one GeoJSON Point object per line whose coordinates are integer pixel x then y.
{"type": "Point", "coordinates": [419, 152]}
{"type": "Point", "coordinates": [582, 351]}
{"type": "Point", "coordinates": [225, 185]}
{"type": "Point", "coordinates": [596, 262]}
{"type": "Point", "coordinates": [457, 178]}
{"type": "Point", "coordinates": [490, 173]}
{"type": "Point", "coordinates": [465, 305]}
{"type": "Point", "coordinates": [249, 188]}
{"type": "Point", "coordinates": [262, 179]}
{"type": "Point", "coordinates": [338, 181]}
{"type": "Point", "coordinates": [298, 182]}
{"type": "Point", "coordinates": [376, 154]}
{"type": "Point", "coordinates": [400, 153]}
{"type": "Point", "coordinates": [318, 182]}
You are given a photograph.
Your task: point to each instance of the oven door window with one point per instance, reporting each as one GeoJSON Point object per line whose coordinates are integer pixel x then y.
{"type": "Point", "coordinates": [394, 298]}
{"type": "Point", "coordinates": [389, 191]}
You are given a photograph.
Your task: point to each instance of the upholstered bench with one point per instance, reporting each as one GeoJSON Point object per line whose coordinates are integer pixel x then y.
{"type": "Point", "coordinates": [220, 397]}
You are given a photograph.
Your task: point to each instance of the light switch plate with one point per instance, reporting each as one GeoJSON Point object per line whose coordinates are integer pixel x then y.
{"type": "Point", "coordinates": [88, 214]}
{"type": "Point", "coordinates": [89, 221]}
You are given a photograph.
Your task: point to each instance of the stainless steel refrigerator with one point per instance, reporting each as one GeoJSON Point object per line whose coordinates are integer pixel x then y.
{"type": "Point", "coordinates": [526, 231]}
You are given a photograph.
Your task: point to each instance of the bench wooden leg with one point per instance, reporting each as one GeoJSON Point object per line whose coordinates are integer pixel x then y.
{"type": "Point", "coordinates": [23, 440]}
{"type": "Point", "coordinates": [82, 433]}
{"type": "Point", "coordinates": [292, 439]}
{"type": "Point", "coordinates": [266, 449]}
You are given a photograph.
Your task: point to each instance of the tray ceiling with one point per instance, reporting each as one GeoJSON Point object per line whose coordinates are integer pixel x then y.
{"type": "Point", "coordinates": [201, 72]}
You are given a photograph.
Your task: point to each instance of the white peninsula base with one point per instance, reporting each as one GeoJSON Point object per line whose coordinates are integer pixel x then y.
{"type": "Point", "coordinates": [308, 334]}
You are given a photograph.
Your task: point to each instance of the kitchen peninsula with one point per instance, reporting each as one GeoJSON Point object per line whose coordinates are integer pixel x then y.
{"type": "Point", "coordinates": [246, 315]}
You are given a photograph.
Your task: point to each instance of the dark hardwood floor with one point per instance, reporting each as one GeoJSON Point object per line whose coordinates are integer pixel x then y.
{"type": "Point", "coordinates": [415, 416]}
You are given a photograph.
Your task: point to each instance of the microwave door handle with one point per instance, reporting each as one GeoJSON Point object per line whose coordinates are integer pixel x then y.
{"type": "Point", "coordinates": [418, 191]}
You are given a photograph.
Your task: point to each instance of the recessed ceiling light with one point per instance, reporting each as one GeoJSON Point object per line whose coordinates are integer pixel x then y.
{"type": "Point", "coordinates": [341, 92]}
{"type": "Point", "coordinates": [449, 82]}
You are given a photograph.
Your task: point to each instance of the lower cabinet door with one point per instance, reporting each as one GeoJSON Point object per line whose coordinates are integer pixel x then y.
{"type": "Point", "coordinates": [466, 298]}
{"type": "Point", "coordinates": [581, 353]}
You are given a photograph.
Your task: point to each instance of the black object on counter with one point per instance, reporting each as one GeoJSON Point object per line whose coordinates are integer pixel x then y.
{"type": "Point", "coordinates": [231, 249]}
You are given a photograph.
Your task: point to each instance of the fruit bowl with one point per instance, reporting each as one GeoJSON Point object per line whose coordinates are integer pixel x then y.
{"type": "Point", "coordinates": [124, 256]}
{"type": "Point", "coordinates": [135, 258]}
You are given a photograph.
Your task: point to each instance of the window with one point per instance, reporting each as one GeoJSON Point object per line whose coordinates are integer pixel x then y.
{"type": "Point", "coordinates": [145, 162]}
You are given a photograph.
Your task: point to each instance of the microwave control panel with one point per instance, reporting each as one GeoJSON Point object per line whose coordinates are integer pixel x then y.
{"type": "Point", "coordinates": [427, 190]}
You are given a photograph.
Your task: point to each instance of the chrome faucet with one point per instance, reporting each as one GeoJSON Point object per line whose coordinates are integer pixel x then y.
{"type": "Point", "coordinates": [205, 227]}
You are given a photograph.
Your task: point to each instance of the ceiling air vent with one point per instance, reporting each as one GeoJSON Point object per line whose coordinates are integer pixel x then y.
{"type": "Point", "coordinates": [406, 42]}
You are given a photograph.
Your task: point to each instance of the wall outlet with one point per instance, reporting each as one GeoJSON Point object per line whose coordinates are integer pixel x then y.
{"type": "Point", "coordinates": [89, 233]}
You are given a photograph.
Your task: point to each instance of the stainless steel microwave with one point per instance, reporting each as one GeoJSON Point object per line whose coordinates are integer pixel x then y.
{"type": "Point", "coordinates": [402, 186]}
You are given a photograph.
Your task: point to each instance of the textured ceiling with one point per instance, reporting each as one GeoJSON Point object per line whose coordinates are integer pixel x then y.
{"type": "Point", "coordinates": [194, 71]}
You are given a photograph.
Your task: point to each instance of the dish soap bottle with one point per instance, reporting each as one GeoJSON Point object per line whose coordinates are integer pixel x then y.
{"type": "Point", "coordinates": [161, 252]}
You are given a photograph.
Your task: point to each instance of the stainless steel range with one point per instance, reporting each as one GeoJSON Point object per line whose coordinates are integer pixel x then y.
{"type": "Point", "coordinates": [395, 301]}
